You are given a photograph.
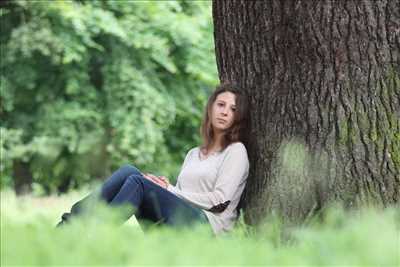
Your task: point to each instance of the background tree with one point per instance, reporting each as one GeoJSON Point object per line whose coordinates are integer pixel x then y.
{"type": "Point", "coordinates": [324, 84]}
{"type": "Point", "coordinates": [89, 85]}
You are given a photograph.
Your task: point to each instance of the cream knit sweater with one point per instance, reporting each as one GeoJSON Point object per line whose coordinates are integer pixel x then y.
{"type": "Point", "coordinates": [214, 184]}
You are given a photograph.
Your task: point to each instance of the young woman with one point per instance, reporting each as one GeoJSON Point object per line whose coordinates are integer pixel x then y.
{"type": "Point", "coordinates": [211, 180]}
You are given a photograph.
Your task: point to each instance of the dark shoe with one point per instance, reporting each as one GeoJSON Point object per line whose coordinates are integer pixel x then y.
{"type": "Point", "coordinates": [64, 219]}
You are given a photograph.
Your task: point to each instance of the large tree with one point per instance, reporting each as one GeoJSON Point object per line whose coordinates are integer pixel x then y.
{"type": "Point", "coordinates": [323, 79]}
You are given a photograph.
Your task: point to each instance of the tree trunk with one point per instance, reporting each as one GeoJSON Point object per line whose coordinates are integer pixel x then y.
{"type": "Point", "coordinates": [22, 177]}
{"type": "Point", "coordinates": [323, 80]}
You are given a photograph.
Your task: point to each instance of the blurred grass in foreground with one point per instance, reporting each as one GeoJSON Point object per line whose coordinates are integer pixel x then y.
{"type": "Point", "coordinates": [28, 237]}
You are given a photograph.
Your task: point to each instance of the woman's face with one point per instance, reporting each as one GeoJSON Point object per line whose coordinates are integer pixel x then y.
{"type": "Point", "coordinates": [223, 111]}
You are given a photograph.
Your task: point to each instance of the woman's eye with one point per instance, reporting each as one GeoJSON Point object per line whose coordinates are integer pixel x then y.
{"type": "Point", "coordinates": [220, 104]}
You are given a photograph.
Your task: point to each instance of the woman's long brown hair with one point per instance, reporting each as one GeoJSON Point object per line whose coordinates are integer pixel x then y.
{"type": "Point", "coordinates": [238, 131]}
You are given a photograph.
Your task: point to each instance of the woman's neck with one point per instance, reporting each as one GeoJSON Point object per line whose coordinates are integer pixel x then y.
{"type": "Point", "coordinates": [217, 143]}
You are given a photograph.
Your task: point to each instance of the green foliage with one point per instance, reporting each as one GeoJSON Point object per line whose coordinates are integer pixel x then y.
{"type": "Point", "coordinates": [88, 86]}
{"type": "Point", "coordinates": [28, 237]}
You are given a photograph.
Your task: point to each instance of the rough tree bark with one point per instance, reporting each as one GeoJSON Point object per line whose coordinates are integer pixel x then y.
{"type": "Point", "coordinates": [323, 79]}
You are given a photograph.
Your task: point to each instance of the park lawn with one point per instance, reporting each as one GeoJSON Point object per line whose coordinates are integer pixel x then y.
{"type": "Point", "coordinates": [28, 237]}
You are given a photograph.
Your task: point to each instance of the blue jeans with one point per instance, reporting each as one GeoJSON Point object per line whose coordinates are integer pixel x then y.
{"type": "Point", "coordinates": [148, 200]}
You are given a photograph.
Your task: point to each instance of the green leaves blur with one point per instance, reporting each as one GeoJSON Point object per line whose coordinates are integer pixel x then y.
{"type": "Point", "coordinates": [88, 86]}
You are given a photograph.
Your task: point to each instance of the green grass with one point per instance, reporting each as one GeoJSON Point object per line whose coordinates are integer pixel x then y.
{"type": "Point", "coordinates": [28, 237]}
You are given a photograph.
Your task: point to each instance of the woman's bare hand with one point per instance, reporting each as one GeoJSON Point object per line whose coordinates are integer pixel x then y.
{"type": "Point", "coordinates": [165, 179]}
{"type": "Point", "coordinates": [159, 180]}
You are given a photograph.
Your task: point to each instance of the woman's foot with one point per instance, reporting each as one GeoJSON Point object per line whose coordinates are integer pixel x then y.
{"type": "Point", "coordinates": [64, 219]}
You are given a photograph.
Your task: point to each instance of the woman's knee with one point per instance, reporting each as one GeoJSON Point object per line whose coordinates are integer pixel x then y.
{"type": "Point", "coordinates": [130, 169]}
